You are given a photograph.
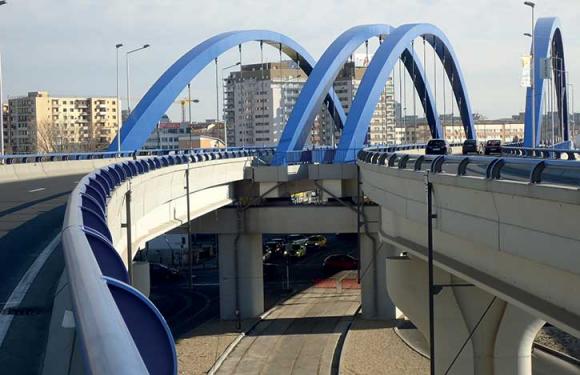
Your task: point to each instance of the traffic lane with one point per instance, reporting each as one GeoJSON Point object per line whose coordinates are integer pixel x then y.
{"type": "Point", "coordinates": [21, 201]}
{"type": "Point", "coordinates": [22, 351]}
{"type": "Point", "coordinates": [31, 215]}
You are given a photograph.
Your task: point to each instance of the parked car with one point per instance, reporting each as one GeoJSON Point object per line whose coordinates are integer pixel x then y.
{"type": "Point", "coordinates": [159, 272]}
{"type": "Point", "coordinates": [339, 262]}
{"type": "Point", "coordinates": [470, 146]}
{"type": "Point", "coordinates": [317, 241]}
{"type": "Point", "coordinates": [437, 147]}
{"type": "Point", "coordinates": [295, 250]}
{"type": "Point", "coordinates": [492, 147]}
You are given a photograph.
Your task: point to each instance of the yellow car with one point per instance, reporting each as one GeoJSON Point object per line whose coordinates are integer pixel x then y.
{"type": "Point", "coordinates": [317, 241]}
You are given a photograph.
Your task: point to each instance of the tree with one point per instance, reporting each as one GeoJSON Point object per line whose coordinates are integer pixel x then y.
{"type": "Point", "coordinates": [48, 137]}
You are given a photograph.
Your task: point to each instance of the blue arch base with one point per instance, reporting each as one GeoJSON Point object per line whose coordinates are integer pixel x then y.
{"type": "Point", "coordinates": [147, 327]}
{"type": "Point", "coordinates": [548, 43]}
{"type": "Point", "coordinates": [161, 95]}
{"type": "Point", "coordinates": [323, 76]}
{"type": "Point", "coordinates": [378, 72]}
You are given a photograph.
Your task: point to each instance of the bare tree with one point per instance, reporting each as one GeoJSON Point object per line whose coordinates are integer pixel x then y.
{"type": "Point", "coordinates": [48, 137]}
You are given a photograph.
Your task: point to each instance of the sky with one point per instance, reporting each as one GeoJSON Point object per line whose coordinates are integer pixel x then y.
{"type": "Point", "coordinates": [67, 47]}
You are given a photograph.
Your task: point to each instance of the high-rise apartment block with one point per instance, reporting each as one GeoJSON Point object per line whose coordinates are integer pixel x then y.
{"type": "Point", "coordinates": [40, 123]}
{"type": "Point", "coordinates": [259, 99]}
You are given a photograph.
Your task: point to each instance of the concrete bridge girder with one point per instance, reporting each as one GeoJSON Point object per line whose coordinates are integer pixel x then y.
{"type": "Point", "coordinates": [484, 231]}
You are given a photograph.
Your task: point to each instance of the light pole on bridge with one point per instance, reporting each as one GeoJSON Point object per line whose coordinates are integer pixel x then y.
{"type": "Point", "coordinates": [119, 117]}
{"type": "Point", "coordinates": [128, 85]}
{"type": "Point", "coordinates": [2, 2]}
{"type": "Point", "coordinates": [223, 98]}
{"type": "Point", "coordinates": [532, 83]}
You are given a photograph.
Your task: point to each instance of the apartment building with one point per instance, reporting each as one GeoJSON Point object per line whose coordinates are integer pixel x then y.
{"type": "Point", "coordinates": [259, 99]}
{"type": "Point", "coordinates": [40, 123]}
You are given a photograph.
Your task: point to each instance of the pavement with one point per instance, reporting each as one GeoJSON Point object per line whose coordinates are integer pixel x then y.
{"type": "Point", "coordinates": [31, 216]}
{"type": "Point", "coordinates": [373, 347]}
{"type": "Point", "coordinates": [300, 336]}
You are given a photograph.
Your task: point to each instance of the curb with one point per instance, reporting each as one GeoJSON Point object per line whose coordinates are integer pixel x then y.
{"type": "Point", "coordinates": [415, 348]}
{"type": "Point", "coordinates": [337, 357]}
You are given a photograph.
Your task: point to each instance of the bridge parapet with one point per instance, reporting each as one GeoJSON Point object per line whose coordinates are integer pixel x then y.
{"type": "Point", "coordinates": [515, 239]}
{"type": "Point", "coordinates": [119, 329]}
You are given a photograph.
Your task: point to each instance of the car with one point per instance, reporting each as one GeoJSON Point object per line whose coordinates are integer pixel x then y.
{"type": "Point", "coordinates": [437, 147]}
{"type": "Point", "coordinates": [295, 250]}
{"type": "Point", "coordinates": [470, 146]}
{"type": "Point", "coordinates": [278, 244]}
{"type": "Point", "coordinates": [291, 238]}
{"type": "Point", "coordinates": [339, 262]}
{"type": "Point", "coordinates": [160, 272]}
{"type": "Point", "coordinates": [317, 241]}
{"type": "Point", "coordinates": [492, 146]}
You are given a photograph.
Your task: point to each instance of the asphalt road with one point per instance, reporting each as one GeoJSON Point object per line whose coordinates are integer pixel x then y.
{"type": "Point", "coordinates": [185, 309]}
{"type": "Point", "coordinates": [31, 216]}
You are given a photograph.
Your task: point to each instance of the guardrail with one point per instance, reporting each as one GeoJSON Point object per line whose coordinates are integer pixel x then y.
{"type": "Point", "coordinates": [540, 152]}
{"type": "Point", "coordinates": [327, 155]}
{"type": "Point", "coordinates": [535, 171]}
{"type": "Point", "coordinates": [109, 313]}
{"type": "Point", "coordinates": [38, 158]}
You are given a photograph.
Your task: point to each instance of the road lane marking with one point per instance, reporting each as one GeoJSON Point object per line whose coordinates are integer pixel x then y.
{"type": "Point", "coordinates": [21, 289]}
{"type": "Point", "coordinates": [35, 190]}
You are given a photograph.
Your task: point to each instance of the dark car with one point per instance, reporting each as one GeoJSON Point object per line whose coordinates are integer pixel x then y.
{"type": "Point", "coordinates": [470, 146]}
{"type": "Point", "coordinates": [159, 272]}
{"type": "Point", "coordinates": [437, 147]}
{"type": "Point", "coordinates": [339, 262]}
{"type": "Point", "coordinates": [492, 147]}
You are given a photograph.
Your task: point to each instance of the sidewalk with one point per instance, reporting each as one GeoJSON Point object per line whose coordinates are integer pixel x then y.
{"type": "Point", "coordinates": [373, 347]}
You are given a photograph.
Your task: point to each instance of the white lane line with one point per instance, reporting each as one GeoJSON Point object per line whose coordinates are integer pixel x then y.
{"type": "Point", "coordinates": [35, 190]}
{"type": "Point", "coordinates": [22, 288]}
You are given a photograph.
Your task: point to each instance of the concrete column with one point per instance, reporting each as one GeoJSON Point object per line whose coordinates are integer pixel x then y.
{"type": "Point", "coordinates": [141, 279]}
{"type": "Point", "coordinates": [241, 275]}
{"type": "Point", "coordinates": [375, 300]}
{"type": "Point", "coordinates": [514, 340]}
{"type": "Point", "coordinates": [407, 283]}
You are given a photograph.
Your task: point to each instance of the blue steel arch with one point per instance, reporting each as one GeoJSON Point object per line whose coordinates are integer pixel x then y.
{"type": "Point", "coordinates": [547, 43]}
{"type": "Point", "coordinates": [161, 95]}
{"type": "Point", "coordinates": [377, 74]}
{"type": "Point", "coordinates": [322, 78]}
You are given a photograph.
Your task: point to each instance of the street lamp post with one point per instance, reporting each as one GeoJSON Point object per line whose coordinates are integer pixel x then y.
{"type": "Point", "coordinates": [1, 105]}
{"type": "Point", "coordinates": [190, 127]}
{"type": "Point", "coordinates": [128, 86]}
{"type": "Point", "coordinates": [223, 96]}
{"type": "Point", "coordinates": [119, 117]}
{"type": "Point", "coordinates": [533, 85]}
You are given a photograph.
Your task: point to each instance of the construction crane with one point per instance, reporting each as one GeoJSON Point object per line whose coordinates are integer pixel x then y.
{"type": "Point", "coordinates": [183, 102]}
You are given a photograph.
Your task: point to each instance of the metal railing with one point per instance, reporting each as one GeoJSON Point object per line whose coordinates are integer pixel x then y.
{"type": "Point", "coordinates": [532, 170]}
{"type": "Point", "coordinates": [61, 156]}
{"type": "Point", "coordinates": [110, 340]}
{"type": "Point", "coordinates": [540, 152]}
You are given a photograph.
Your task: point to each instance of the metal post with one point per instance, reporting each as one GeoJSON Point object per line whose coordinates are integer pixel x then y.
{"type": "Point", "coordinates": [1, 113]}
{"type": "Point", "coordinates": [119, 117]}
{"type": "Point", "coordinates": [189, 109]}
{"type": "Point", "coordinates": [128, 86]}
{"type": "Point", "coordinates": [217, 95]}
{"type": "Point", "coordinates": [430, 217]}
{"type": "Point", "coordinates": [129, 236]}
{"type": "Point", "coordinates": [533, 83]}
{"type": "Point", "coordinates": [358, 220]}
{"type": "Point", "coordinates": [189, 249]}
